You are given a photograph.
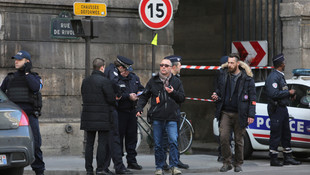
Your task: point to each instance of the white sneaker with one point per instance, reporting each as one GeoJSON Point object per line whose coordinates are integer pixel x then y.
{"type": "Point", "coordinates": [175, 171]}
{"type": "Point", "coordinates": [159, 172]}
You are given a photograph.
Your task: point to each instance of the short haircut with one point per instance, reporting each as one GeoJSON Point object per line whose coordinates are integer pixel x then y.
{"type": "Point", "coordinates": [236, 55]}
{"type": "Point", "coordinates": [175, 63]}
{"type": "Point", "coordinates": [97, 63]}
{"type": "Point", "coordinates": [171, 64]}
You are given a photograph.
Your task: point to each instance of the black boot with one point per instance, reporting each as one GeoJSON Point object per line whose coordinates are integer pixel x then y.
{"type": "Point", "coordinates": [274, 160]}
{"type": "Point", "coordinates": [289, 160]}
{"type": "Point", "coordinates": [183, 165]}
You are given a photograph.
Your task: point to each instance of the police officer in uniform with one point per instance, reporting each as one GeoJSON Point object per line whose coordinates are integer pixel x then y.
{"type": "Point", "coordinates": [22, 87]}
{"type": "Point", "coordinates": [112, 72]}
{"type": "Point", "coordinates": [130, 88]}
{"type": "Point", "coordinates": [279, 97]}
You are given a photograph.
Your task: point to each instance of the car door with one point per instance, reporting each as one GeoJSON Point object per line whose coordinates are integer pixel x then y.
{"type": "Point", "coordinates": [299, 118]}
{"type": "Point", "coordinates": [259, 130]}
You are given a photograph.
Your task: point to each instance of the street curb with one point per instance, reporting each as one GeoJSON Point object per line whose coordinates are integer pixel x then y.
{"type": "Point", "coordinates": [79, 172]}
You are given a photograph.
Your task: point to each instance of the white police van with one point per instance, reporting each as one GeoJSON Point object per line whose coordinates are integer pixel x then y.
{"type": "Point", "coordinates": [258, 133]}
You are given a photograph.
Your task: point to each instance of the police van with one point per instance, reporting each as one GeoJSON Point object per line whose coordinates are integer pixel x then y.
{"type": "Point", "coordinates": [258, 133]}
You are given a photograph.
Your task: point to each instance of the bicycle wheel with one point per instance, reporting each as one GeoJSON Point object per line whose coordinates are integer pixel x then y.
{"type": "Point", "coordinates": [185, 136]}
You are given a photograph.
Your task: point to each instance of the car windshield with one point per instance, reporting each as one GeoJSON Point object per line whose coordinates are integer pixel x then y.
{"type": "Point", "coordinates": [3, 97]}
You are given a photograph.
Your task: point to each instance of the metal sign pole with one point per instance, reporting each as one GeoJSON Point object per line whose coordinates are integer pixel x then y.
{"type": "Point", "coordinates": [87, 71]}
{"type": "Point", "coordinates": [153, 55]}
{"type": "Point", "coordinates": [87, 49]}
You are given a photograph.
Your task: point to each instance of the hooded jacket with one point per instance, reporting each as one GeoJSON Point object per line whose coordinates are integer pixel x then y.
{"type": "Point", "coordinates": [246, 93]}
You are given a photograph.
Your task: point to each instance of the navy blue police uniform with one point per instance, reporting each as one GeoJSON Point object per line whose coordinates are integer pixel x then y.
{"type": "Point", "coordinates": [279, 97]}
{"type": "Point", "coordinates": [127, 113]}
{"type": "Point", "coordinates": [23, 90]}
{"type": "Point", "coordinates": [115, 147]}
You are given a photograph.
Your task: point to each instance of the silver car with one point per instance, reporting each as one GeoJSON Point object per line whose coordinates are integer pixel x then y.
{"type": "Point", "coordinates": [16, 139]}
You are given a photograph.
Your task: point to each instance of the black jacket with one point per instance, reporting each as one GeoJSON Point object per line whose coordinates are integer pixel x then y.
{"type": "Point", "coordinates": [166, 106]}
{"type": "Point", "coordinates": [34, 84]}
{"type": "Point", "coordinates": [98, 98]}
{"type": "Point", "coordinates": [127, 85]}
{"type": "Point", "coordinates": [277, 89]}
{"type": "Point", "coordinates": [246, 94]}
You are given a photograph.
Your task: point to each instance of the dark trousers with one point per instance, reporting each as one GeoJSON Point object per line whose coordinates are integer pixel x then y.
{"type": "Point", "coordinates": [279, 128]}
{"type": "Point", "coordinates": [114, 150]}
{"type": "Point", "coordinates": [38, 165]}
{"type": "Point", "coordinates": [128, 130]}
{"type": "Point", "coordinates": [103, 137]}
{"type": "Point", "coordinates": [229, 122]}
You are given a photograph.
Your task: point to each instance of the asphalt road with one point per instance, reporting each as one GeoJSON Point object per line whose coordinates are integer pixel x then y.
{"type": "Point", "coordinates": [200, 164]}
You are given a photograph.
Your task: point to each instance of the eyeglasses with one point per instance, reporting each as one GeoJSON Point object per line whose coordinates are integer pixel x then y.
{"type": "Point", "coordinates": [166, 65]}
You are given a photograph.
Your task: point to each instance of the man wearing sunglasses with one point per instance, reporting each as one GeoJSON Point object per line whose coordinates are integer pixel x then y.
{"type": "Point", "coordinates": [166, 93]}
{"type": "Point", "coordinates": [175, 70]}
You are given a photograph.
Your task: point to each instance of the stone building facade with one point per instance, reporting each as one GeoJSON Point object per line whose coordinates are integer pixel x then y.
{"type": "Point", "coordinates": [25, 25]}
{"type": "Point", "coordinates": [196, 33]}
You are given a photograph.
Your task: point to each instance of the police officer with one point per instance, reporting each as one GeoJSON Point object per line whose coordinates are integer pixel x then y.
{"type": "Point", "coordinates": [115, 153]}
{"type": "Point", "coordinates": [22, 87]}
{"type": "Point", "coordinates": [279, 97]}
{"type": "Point", "coordinates": [130, 88]}
{"type": "Point", "coordinates": [175, 70]}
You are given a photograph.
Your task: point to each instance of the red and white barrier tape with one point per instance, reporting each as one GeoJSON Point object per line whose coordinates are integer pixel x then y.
{"type": "Point", "coordinates": [199, 99]}
{"type": "Point", "coordinates": [263, 67]}
{"type": "Point", "coordinates": [216, 67]}
{"type": "Point", "coordinates": [201, 67]}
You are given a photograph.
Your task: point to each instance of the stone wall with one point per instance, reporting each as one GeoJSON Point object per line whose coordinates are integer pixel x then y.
{"type": "Point", "coordinates": [295, 17]}
{"type": "Point", "coordinates": [198, 33]}
{"type": "Point", "coordinates": [25, 25]}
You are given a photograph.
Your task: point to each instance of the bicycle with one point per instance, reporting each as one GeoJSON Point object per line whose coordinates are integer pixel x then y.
{"type": "Point", "coordinates": [185, 139]}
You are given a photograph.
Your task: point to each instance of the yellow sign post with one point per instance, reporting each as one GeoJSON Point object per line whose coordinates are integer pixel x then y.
{"type": "Point", "coordinates": [89, 9]}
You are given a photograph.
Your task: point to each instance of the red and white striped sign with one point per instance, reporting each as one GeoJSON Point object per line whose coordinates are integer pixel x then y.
{"type": "Point", "coordinates": [216, 67]}
{"type": "Point", "coordinates": [254, 53]}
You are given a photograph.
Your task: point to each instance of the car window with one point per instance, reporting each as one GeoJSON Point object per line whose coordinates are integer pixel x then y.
{"type": "Point", "coordinates": [301, 91]}
{"type": "Point", "coordinates": [258, 91]}
{"type": "Point", "coordinates": [263, 96]}
{"type": "Point", "coordinates": [3, 97]}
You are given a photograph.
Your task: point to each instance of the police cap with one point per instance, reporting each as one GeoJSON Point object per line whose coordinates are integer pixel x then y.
{"type": "Point", "coordinates": [223, 59]}
{"type": "Point", "coordinates": [174, 58]}
{"type": "Point", "coordinates": [22, 54]}
{"type": "Point", "coordinates": [278, 59]}
{"type": "Point", "coordinates": [126, 62]}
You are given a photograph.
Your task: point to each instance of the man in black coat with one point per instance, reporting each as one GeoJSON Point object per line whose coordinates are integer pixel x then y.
{"type": "Point", "coordinates": [236, 100]}
{"type": "Point", "coordinates": [166, 93]}
{"type": "Point", "coordinates": [98, 100]}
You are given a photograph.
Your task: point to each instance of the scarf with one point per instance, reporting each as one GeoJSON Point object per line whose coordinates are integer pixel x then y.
{"type": "Point", "coordinates": [164, 79]}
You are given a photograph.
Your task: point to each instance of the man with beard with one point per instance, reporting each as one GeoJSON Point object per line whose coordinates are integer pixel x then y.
{"type": "Point", "coordinates": [279, 97]}
{"type": "Point", "coordinates": [235, 97]}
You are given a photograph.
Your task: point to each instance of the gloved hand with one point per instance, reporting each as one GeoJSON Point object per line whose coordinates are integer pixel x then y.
{"type": "Point", "coordinates": [27, 67]}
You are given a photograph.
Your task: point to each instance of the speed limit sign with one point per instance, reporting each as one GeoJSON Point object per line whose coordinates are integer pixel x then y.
{"type": "Point", "coordinates": [155, 14]}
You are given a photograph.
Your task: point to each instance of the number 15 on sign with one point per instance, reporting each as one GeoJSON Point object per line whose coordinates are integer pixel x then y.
{"type": "Point", "coordinates": [155, 14]}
